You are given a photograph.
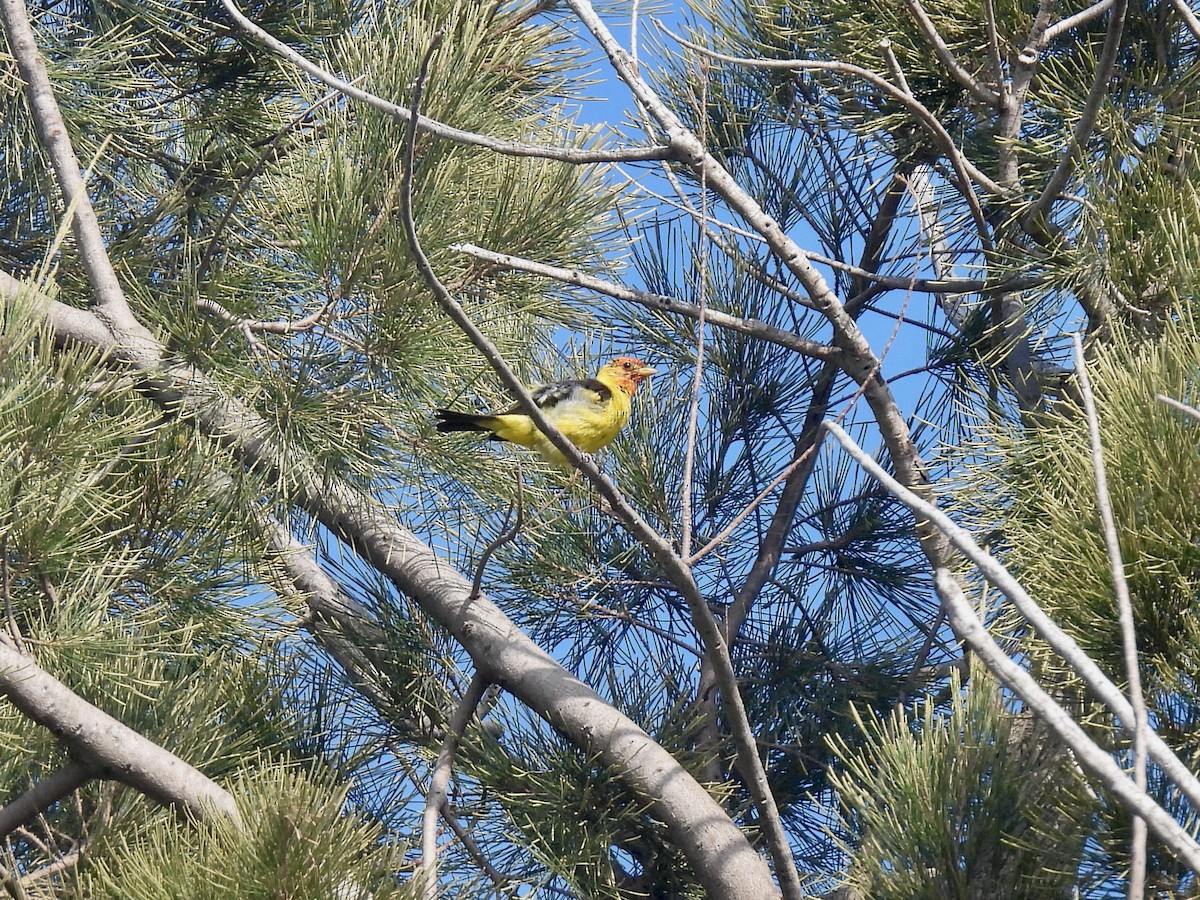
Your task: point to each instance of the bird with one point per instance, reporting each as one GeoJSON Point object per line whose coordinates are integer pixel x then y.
{"type": "Point", "coordinates": [588, 411]}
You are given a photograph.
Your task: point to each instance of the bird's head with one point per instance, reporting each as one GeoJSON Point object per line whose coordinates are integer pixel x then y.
{"type": "Point", "coordinates": [626, 372]}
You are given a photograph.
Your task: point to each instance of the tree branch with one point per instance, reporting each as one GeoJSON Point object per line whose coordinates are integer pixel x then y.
{"type": "Point", "coordinates": [48, 791]}
{"type": "Point", "coordinates": [1087, 119]}
{"type": "Point", "coordinates": [105, 745]}
{"type": "Point", "coordinates": [1090, 757]}
{"type": "Point", "coordinates": [108, 299]}
{"type": "Point", "coordinates": [1189, 17]}
{"type": "Point", "coordinates": [1137, 853]}
{"type": "Point", "coordinates": [966, 171]}
{"type": "Point", "coordinates": [1095, 11]}
{"type": "Point", "coordinates": [435, 797]}
{"type": "Point", "coordinates": [977, 89]}
{"type": "Point", "coordinates": [1058, 640]}
{"type": "Point", "coordinates": [575, 156]}
{"type": "Point", "coordinates": [752, 327]}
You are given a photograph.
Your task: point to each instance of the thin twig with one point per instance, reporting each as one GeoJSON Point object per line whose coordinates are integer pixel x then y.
{"type": "Point", "coordinates": [1087, 118]}
{"type": "Point", "coordinates": [575, 156]}
{"type": "Point", "coordinates": [599, 611]}
{"type": "Point", "coordinates": [1182, 407]}
{"type": "Point", "coordinates": [896, 282]}
{"type": "Point", "coordinates": [502, 882]}
{"type": "Point", "coordinates": [889, 55]}
{"type": "Point", "coordinates": [435, 798]}
{"type": "Point", "coordinates": [977, 89]}
{"type": "Point", "coordinates": [753, 327]}
{"type": "Point", "coordinates": [994, 47]}
{"type": "Point", "coordinates": [1137, 848]}
{"type": "Point", "coordinates": [724, 533]}
{"type": "Point", "coordinates": [967, 172]}
{"type": "Point", "coordinates": [1058, 640]}
{"type": "Point", "coordinates": [14, 630]}
{"type": "Point", "coordinates": [1095, 11]}
{"type": "Point", "coordinates": [693, 419]}
{"type": "Point", "coordinates": [506, 534]}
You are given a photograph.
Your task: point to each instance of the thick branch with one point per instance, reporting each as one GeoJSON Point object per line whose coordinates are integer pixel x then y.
{"type": "Point", "coordinates": [106, 746]}
{"type": "Point", "coordinates": [717, 849]}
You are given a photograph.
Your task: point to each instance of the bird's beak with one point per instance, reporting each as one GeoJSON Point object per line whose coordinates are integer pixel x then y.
{"type": "Point", "coordinates": [646, 371]}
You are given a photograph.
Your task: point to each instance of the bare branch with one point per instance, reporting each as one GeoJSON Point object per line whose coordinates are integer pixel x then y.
{"type": "Point", "coordinates": [108, 298]}
{"type": "Point", "coordinates": [48, 791]}
{"type": "Point", "coordinates": [1189, 17]}
{"type": "Point", "coordinates": [507, 533]}
{"type": "Point", "coordinates": [435, 797]}
{"type": "Point", "coordinates": [884, 282]}
{"type": "Point", "coordinates": [1104, 768]}
{"type": "Point", "coordinates": [752, 327]}
{"type": "Point", "coordinates": [1182, 407]}
{"type": "Point", "coordinates": [498, 878]}
{"type": "Point", "coordinates": [1058, 640]}
{"type": "Point", "coordinates": [104, 744]}
{"type": "Point", "coordinates": [977, 88]}
{"type": "Point", "coordinates": [1095, 11]}
{"type": "Point", "coordinates": [693, 418]}
{"type": "Point", "coordinates": [575, 156]}
{"type": "Point", "coordinates": [994, 48]}
{"type": "Point", "coordinates": [967, 172]}
{"type": "Point", "coordinates": [803, 456]}
{"type": "Point", "coordinates": [1137, 852]}
{"type": "Point", "coordinates": [675, 567]}
{"type": "Point", "coordinates": [1087, 118]}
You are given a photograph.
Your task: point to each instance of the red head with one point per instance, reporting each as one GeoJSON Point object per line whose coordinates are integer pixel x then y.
{"type": "Point", "coordinates": [626, 372]}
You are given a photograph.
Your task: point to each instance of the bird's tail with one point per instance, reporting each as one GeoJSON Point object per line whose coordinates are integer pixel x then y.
{"type": "Point", "coordinates": [451, 420]}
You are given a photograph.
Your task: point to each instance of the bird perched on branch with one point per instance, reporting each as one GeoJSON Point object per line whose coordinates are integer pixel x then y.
{"type": "Point", "coordinates": [588, 411]}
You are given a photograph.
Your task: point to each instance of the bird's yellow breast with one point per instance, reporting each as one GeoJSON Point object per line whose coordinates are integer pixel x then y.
{"type": "Point", "coordinates": [589, 418]}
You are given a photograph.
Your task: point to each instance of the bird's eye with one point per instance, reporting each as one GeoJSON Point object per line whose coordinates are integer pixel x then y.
{"type": "Point", "coordinates": [626, 365]}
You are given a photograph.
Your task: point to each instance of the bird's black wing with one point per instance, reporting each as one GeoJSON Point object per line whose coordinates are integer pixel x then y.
{"type": "Point", "coordinates": [554, 393]}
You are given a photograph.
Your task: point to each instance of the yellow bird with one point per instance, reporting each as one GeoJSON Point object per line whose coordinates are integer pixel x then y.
{"type": "Point", "coordinates": [589, 411]}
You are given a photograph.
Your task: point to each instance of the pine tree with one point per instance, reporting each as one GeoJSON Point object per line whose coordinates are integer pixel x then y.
{"type": "Point", "coordinates": [230, 528]}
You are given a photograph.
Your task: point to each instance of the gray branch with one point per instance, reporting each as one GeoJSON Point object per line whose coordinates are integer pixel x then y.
{"type": "Point", "coordinates": [105, 745]}
{"type": "Point", "coordinates": [721, 855]}
{"type": "Point", "coordinates": [48, 791]}
{"type": "Point", "coordinates": [573, 155]}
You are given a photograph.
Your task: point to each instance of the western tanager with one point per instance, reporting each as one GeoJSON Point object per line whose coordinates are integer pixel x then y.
{"type": "Point", "coordinates": [589, 411]}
